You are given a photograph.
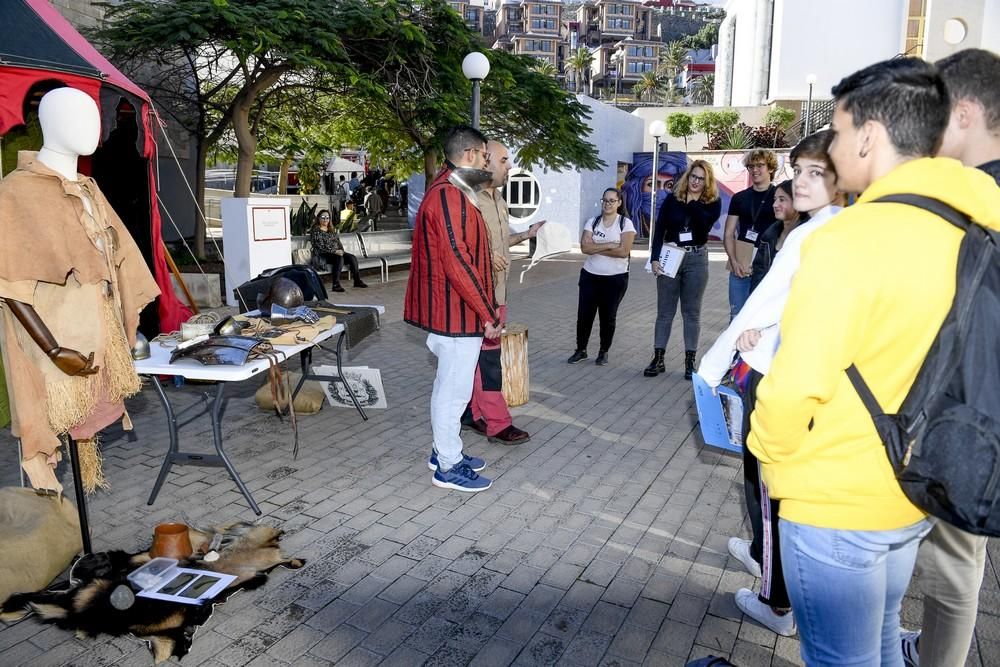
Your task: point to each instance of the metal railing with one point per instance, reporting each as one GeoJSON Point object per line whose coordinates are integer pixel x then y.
{"type": "Point", "coordinates": [822, 114]}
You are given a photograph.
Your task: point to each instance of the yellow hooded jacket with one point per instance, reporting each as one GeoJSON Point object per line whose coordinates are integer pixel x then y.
{"type": "Point", "coordinates": [874, 287]}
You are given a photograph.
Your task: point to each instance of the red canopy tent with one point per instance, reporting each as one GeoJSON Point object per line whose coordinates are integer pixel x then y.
{"type": "Point", "coordinates": [40, 50]}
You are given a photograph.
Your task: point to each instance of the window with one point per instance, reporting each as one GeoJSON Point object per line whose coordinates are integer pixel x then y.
{"type": "Point", "coordinates": [621, 9]}
{"type": "Point", "coordinates": [538, 45]}
{"type": "Point", "coordinates": [640, 51]}
{"type": "Point", "coordinates": [639, 67]}
{"type": "Point", "coordinates": [619, 24]}
{"type": "Point", "coordinates": [543, 24]}
{"type": "Point", "coordinates": [472, 15]}
{"type": "Point", "coordinates": [523, 195]}
{"type": "Point", "coordinates": [548, 10]}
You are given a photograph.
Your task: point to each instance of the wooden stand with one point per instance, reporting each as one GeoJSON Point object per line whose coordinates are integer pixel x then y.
{"type": "Point", "coordinates": [514, 363]}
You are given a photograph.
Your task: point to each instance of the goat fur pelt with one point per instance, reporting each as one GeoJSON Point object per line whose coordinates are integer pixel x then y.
{"type": "Point", "coordinates": [247, 551]}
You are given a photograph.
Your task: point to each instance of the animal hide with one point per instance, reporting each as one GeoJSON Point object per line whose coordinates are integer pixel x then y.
{"type": "Point", "coordinates": [249, 552]}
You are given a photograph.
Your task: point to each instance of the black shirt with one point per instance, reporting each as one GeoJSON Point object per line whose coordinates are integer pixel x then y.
{"type": "Point", "coordinates": [755, 211]}
{"type": "Point", "coordinates": [696, 217]}
{"type": "Point", "coordinates": [993, 169]}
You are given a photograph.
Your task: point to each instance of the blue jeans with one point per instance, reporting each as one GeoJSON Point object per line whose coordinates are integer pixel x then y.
{"type": "Point", "coordinates": [739, 292]}
{"type": "Point", "coordinates": [846, 587]}
{"type": "Point", "coordinates": [688, 287]}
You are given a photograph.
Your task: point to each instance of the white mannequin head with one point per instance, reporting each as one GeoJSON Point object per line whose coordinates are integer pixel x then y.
{"type": "Point", "coordinates": [71, 126]}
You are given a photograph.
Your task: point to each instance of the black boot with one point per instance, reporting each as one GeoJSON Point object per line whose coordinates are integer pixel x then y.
{"type": "Point", "coordinates": [688, 364]}
{"type": "Point", "coordinates": [655, 366]}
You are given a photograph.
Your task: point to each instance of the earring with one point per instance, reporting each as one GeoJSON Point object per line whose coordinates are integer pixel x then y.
{"type": "Point", "coordinates": [863, 153]}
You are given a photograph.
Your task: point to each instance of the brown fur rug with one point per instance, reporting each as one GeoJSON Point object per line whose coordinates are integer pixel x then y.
{"type": "Point", "coordinates": [247, 551]}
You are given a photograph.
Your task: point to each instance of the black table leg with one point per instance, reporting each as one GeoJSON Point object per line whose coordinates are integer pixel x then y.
{"type": "Point", "coordinates": [305, 357]}
{"type": "Point", "coordinates": [172, 450]}
{"type": "Point", "coordinates": [81, 496]}
{"type": "Point", "coordinates": [217, 436]}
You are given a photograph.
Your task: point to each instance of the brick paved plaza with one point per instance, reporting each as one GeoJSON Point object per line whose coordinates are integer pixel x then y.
{"type": "Point", "coordinates": [602, 541]}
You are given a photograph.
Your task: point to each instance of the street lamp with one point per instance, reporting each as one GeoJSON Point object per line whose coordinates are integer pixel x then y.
{"type": "Point", "coordinates": [811, 80]}
{"type": "Point", "coordinates": [657, 129]}
{"type": "Point", "coordinates": [475, 67]}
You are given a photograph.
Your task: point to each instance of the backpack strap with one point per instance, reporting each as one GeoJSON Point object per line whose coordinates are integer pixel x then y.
{"type": "Point", "coordinates": [864, 391]}
{"type": "Point", "coordinates": [621, 222]}
{"type": "Point", "coordinates": [935, 206]}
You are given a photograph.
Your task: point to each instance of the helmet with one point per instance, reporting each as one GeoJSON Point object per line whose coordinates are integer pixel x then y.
{"type": "Point", "coordinates": [141, 348]}
{"type": "Point", "coordinates": [283, 292]}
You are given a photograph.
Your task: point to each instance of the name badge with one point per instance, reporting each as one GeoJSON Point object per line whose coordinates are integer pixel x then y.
{"type": "Point", "coordinates": [686, 237]}
{"type": "Point", "coordinates": [752, 235]}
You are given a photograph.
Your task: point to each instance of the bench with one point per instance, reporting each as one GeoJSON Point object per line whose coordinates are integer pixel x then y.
{"type": "Point", "coordinates": [391, 248]}
{"type": "Point", "coordinates": [352, 244]}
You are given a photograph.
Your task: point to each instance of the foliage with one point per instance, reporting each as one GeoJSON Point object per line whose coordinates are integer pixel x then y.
{"type": "Point", "coordinates": [647, 86]}
{"type": "Point", "coordinates": [705, 38]}
{"type": "Point", "coordinates": [544, 66]}
{"type": "Point", "coordinates": [702, 89]}
{"type": "Point", "coordinates": [741, 136]}
{"type": "Point", "coordinates": [672, 59]}
{"type": "Point", "coordinates": [303, 219]}
{"type": "Point", "coordinates": [680, 124]}
{"type": "Point", "coordinates": [713, 122]}
{"type": "Point", "coordinates": [579, 63]}
{"type": "Point", "coordinates": [780, 116]}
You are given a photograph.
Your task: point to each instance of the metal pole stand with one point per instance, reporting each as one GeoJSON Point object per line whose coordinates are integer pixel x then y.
{"type": "Point", "coordinates": [81, 496]}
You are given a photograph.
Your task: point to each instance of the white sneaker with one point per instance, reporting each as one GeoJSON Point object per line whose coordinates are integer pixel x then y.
{"type": "Point", "coordinates": [911, 646]}
{"type": "Point", "coordinates": [750, 604]}
{"type": "Point", "coordinates": [740, 550]}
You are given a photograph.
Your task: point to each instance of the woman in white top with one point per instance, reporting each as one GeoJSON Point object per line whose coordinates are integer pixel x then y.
{"type": "Point", "coordinates": [607, 242]}
{"type": "Point", "coordinates": [754, 334]}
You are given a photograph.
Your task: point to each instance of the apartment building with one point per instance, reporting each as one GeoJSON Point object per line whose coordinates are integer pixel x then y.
{"type": "Point", "coordinates": [532, 28]}
{"type": "Point", "coordinates": [623, 41]}
{"type": "Point", "coordinates": [473, 11]}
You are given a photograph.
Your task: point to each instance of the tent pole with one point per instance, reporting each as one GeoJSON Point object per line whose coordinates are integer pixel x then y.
{"type": "Point", "coordinates": [180, 281]}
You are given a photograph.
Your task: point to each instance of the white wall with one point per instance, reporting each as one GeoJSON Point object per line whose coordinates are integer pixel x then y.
{"type": "Point", "coordinates": [752, 116]}
{"type": "Point", "coordinates": [830, 41]}
{"type": "Point", "coordinates": [972, 13]}
{"type": "Point", "coordinates": [991, 26]}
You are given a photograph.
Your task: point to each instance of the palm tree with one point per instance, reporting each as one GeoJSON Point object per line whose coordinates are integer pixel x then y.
{"type": "Point", "coordinates": [647, 86]}
{"type": "Point", "coordinates": [672, 59]}
{"type": "Point", "coordinates": [579, 63]}
{"type": "Point", "coordinates": [703, 89]}
{"type": "Point", "coordinates": [543, 66]}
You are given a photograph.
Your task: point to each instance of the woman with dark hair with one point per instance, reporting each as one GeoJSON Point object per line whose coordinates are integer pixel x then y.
{"type": "Point", "coordinates": [754, 334]}
{"type": "Point", "coordinates": [684, 221]}
{"type": "Point", "coordinates": [326, 244]}
{"type": "Point", "coordinates": [787, 219]}
{"type": "Point", "coordinates": [607, 242]}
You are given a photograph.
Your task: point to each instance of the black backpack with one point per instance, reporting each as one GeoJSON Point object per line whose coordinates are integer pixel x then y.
{"type": "Point", "coordinates": [944, 443]}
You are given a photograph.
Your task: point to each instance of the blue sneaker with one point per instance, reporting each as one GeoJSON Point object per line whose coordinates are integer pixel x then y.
{"type": "Point", "coordinates": [461, 478]}
{"type": "Point", "coordinates": [475, 463]}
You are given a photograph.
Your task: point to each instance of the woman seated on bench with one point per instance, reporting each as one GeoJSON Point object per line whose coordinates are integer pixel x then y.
{"type": "Point", "coordinates": [326, 244]}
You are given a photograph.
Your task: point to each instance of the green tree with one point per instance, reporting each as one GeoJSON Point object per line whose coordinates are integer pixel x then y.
{"type": "Point", "coordinates": [710, 122]}
{"type": "Point", "coordinates": [672, 59]}
{"type": "Point", "coordinates": [579, 63]}
{"type": "Point", "coordinates": [680, 124]}
{"type": "Point", "coordinates": [702, 90]}
{"type": "Point", "coordinates": [705, 38]}
{"type": "Point", "coordinates": [780, 116]}
{"type": "Point", "coordinates": [545, 67]}
{"type": "Point", "coordinates": [647, 86]}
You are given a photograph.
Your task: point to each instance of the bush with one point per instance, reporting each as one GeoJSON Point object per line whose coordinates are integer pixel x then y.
{"type": "Point", "coordinates": [780, 117]}
{"type": "Point", "coordinates": [303, 219]}
{"type": "Point", "coordinates": [712, 122]}
{"type": "Point", "coordinates": [742, 137]}
{"type": "Point", "coordinates": [679, 125]}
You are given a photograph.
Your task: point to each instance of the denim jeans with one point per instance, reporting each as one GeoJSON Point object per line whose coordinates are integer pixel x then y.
{"type": "Point", "coordinates": [846, 588]}
{"type": "Point", "coordinates": [456, 370]}
{"type": "Point", "coordinates": [688, 287]}
{"type": "Point", "coordinates": [739, 292]}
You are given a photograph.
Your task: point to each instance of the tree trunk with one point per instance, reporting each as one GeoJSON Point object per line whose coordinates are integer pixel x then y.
{"type": "Point", "coordinates": [246, 148]}
{"type": "Point", "coordinates": [199, 198]}
{"type": "Point", "coordinates": [430, 166]}
{"type": "Point", "coordinates": [283, 175]}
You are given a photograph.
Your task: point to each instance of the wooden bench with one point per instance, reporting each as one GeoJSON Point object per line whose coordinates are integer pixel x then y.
{"type": "Point", "coordinates": [391, 248]}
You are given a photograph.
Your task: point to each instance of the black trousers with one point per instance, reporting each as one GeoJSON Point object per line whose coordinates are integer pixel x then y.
{"type": "Point", "coordinates": [337, 264]}
{"type": "Point", "coordinates": [763, 511]}
{"type": "Point", "coordinates": [599, 295]}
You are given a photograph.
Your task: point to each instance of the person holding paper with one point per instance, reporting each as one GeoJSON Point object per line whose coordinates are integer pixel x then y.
{"type": "Point", "coordinates": [754, 333]}
{"type": "Point", "coordinates": [682, 229]}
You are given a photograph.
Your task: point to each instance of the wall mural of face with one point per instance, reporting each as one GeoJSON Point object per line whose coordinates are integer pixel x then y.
{"type": "Point", "coordinates": [637, 188]}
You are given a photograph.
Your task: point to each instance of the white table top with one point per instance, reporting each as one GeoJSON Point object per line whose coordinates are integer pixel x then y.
{"type": "Point", "coordinates": [158, 362]}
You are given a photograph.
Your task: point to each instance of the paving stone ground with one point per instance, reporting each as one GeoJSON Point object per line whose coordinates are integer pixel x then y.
{"type": "Point", "coordinates": [602, 541]}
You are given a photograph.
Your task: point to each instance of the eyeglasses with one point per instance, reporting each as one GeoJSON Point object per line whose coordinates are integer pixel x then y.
{"type": "Point", "coordinates": [610, 201]}
{"type": "Point", "coordinates": [324, 217]}
{"type": "Point", "coordinates": [756, 165]}
{"type": "Point", "coordinates": [696, 179]}
{"type": "Point", "coordinates": [486, 154]}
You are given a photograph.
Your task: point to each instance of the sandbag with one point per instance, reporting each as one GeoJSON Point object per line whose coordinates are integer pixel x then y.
{"type": "Point", "coordinates": [41, 537]}
{"type": "Point", "coordinates": [308, 402]}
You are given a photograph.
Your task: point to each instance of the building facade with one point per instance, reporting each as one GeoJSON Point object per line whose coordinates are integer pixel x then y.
{"type": "Point", "coordinates": [770, 49]}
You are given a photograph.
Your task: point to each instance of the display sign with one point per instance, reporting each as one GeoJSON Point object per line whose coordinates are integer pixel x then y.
{"type": "Point", "coordinates": [269, 223]}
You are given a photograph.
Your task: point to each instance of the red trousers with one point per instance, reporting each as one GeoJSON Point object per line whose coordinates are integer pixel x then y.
{"type": "Point", "coordinates": [487, 401]}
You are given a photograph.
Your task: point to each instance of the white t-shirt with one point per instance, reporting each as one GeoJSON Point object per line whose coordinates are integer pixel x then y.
{"type": "Point", "coordinates": [602, 265]}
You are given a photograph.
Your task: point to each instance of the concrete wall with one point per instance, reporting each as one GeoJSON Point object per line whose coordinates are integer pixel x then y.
{"type": "Point", "coordinates": [752, 116]}
{"type": "Point", "coordinates": [970, 15]}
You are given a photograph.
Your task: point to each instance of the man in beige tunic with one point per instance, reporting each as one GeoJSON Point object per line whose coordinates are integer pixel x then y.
{"type": "Point", "coordinates": [489, 413]}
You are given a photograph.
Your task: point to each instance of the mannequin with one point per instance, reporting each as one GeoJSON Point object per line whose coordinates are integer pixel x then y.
{"type": "Point", "coordinates": [72, 283]}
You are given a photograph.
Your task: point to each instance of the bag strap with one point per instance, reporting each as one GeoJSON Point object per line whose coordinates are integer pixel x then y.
{"type": "Point", "coordinates": [935, 206]}
{"type": "Point", "coordinates": [864, 391]}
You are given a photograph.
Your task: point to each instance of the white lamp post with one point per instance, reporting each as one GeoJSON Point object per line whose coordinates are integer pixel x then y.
{"type": "Point", "coordinates": [811, 80]}
{"type": "Point", "coordinates": [475, 67]}
{"type": "Point", "coordinates": [657, 129]}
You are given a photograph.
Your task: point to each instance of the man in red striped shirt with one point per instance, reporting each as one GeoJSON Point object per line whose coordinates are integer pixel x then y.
{"type": "Point", "coordinates": [449, 294]}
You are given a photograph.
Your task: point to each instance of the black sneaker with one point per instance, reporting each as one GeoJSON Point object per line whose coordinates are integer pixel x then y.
{"type": "Point", "coordinates": [577, 357]}
{"type": "Point", "coordinates": [337, 288]}
{"type": "Point", "coordinates": [602, 359]}
{"type": "Point", "coordinates": [360, 283]}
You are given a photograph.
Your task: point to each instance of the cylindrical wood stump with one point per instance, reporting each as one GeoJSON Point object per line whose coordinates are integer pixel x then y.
{"type": "Point", "coordinates": [514, 363]}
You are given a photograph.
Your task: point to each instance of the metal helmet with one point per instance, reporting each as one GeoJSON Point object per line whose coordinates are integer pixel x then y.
{"type": "Point", "coordinates": [141, 348]}
{"type": "Point", "coordinates": [283, 292]}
